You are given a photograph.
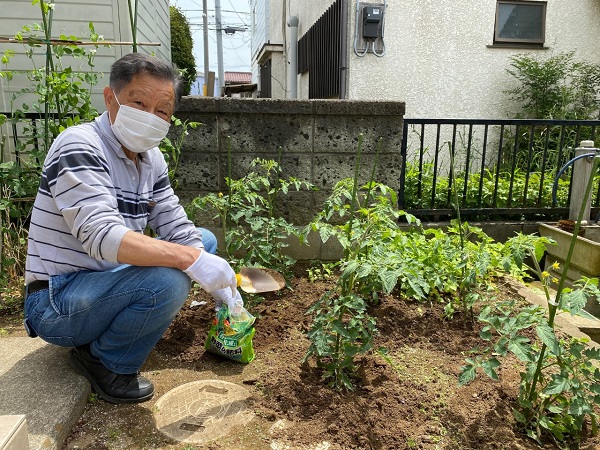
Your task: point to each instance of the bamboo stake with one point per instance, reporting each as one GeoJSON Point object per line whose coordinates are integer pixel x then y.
{"type": "Point", "coordinates": [9, 40]}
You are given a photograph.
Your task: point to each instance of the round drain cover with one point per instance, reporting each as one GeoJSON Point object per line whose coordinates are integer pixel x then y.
{"type": "Point", "coordinates": [202, 411]}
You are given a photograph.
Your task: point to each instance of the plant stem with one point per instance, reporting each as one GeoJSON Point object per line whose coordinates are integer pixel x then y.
{"type": "Point", "coordinates": [461, 236]}
{"type": "Point", "coordinates": [276, 184]}
{"type": "Point", "coordinates": [133, 22]}
{"type": "Point", "coordinates": [354, 191]}
{"type": "Point", "coordinates": [226, 219]}
{"type": "Point", "coordinates": [47, 24]}
{"type": "Point", "coordinates": [373, 172]}
{"type": "Point", "coordinates": [553, 308]}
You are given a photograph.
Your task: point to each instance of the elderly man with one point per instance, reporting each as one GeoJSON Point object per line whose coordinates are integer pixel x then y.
{"type": "Point", "coordinates": [94, 281]}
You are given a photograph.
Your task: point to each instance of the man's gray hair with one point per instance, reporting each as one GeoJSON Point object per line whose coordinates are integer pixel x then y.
{"type": "Point", "coordinates": [123, 70]}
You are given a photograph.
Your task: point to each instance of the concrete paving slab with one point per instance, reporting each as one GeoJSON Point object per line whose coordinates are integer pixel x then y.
{"type": "Point", "coordinates": [13, 433]}
{"type": "Point", "coordinates": [37, 380]}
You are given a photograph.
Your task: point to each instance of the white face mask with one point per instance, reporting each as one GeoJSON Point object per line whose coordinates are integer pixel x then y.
{"type": "Point", "coordinates": [138, 130]}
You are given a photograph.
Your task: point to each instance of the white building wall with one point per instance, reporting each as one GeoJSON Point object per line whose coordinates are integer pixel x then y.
{"type": "Point", "coordinates": [309, 12]}
{"type": "Point", "coordinates": [279, 69]}
{"type": "Point", "coordinates": [278, 38]}
{"type": "Point", "coordinates": [439, 60]}
{"type": "Point", "coordinates": [260, 25]}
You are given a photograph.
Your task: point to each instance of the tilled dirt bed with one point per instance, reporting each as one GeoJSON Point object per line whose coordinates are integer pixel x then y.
{"type": "Point", "coordinates": [414, 403]}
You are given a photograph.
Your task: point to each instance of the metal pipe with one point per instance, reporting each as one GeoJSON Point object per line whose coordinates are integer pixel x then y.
{"type": "Point", "coordinates": [293, 57]}
{"type": "Point", "coordinates": [344, 51]}
{"type": "Point", "coordinates": [561, 171]}
{"type": "Point", "coordinates": [582, 171]}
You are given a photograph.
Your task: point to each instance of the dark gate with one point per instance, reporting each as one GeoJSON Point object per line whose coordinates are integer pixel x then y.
{"type": "Point", "coordinates": [321, 53]}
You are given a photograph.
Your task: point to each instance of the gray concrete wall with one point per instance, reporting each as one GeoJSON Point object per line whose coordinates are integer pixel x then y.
{"type": "Point", "coordinates": [318, 141]}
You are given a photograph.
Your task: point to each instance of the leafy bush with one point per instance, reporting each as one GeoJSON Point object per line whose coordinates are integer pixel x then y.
{"type": "Point", "coordinates": [555, 88]}
{"type": "Point", "coordinates": [182, 47]}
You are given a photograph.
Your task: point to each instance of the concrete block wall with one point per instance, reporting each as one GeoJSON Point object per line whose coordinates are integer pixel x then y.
{"type": "Point", "coordinates": [316, 141]}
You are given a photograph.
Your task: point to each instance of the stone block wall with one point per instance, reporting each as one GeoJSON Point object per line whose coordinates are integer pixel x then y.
{"type": "Point", "coordinates": [316, 141]}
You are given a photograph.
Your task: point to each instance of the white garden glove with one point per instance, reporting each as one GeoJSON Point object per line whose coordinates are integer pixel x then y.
{"type": "Point", "coordinates": [212, 272]}
{"type": "Point", "coordinates": [224, 296]}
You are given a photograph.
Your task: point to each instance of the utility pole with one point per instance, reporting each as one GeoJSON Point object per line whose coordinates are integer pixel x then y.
{"type": "Point", "coordinates": [219, 45]}
{"type": "Point", "coordinates": [205, 35]}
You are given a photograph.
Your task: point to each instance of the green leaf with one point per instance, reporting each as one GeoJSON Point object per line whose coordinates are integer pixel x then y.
{"type": "Point", "coordinates": [467, 374]}
{"type": "Point", "coordinates": [486, 335]}
{"type": "Point", "coordinates": [547, 336]}
{"type": "Point", "coordinates": [490, 366]}
{"type": "Point", "coordinates": [389, 279]}
{"type": "Point", "coordinates": [573, 301]}
{"type": "Point", "coordinates": [521, 348]}
{"type": "Point", "coordinates": [557, 385]}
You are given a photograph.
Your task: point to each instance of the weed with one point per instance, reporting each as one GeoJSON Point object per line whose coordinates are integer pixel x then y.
{"type": "Point", "coordinates": [113, 434]}
{"type": "Point", "coordinates": [320, 271]}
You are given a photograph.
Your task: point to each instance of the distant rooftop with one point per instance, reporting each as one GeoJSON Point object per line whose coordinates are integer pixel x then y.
{"type": "Point", "coordinates": [238, 77]}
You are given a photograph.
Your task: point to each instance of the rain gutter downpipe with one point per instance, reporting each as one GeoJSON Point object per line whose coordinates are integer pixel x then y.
{"type": "Point", "coordinates": [293, 57]}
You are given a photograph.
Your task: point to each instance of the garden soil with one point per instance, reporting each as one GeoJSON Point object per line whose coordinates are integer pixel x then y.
{"type": "Point", "coordinates": [412, 401]}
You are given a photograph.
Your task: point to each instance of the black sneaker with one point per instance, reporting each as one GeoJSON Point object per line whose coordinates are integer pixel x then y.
{"type": "Point", "coordinates": [110, 386]}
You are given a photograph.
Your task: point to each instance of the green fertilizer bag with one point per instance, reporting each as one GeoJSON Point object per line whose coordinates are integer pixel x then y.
{"type": "Point", "coordinates": [231, 334]}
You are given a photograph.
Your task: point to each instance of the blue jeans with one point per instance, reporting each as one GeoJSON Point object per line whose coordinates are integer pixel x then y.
{"type": "Point", "coordinates": [121, 313]}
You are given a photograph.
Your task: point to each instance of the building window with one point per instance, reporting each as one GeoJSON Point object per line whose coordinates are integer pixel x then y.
{"type": "Point", "coordinates": [520, 22]}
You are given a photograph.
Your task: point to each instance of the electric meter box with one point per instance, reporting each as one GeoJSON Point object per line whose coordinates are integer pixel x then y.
{"type": "Point", "coordinates": [372, 17]}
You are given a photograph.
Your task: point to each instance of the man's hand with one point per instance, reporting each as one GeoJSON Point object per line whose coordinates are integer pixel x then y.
{"type": "Point", "coordinates": [224, 296]}
{"type": "Point", "coordinates": [212, 273]}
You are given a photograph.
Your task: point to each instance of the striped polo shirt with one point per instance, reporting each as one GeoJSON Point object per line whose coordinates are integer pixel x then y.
{"type": "Point", "coordinates": [90, 195]}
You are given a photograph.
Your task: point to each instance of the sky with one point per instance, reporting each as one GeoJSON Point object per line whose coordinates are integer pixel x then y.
{"type": "Point", "coordinates": [236, 47]}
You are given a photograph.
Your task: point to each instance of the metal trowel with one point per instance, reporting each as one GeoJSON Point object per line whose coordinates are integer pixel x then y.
{"type": "Point", "coordinates": [255, 279]}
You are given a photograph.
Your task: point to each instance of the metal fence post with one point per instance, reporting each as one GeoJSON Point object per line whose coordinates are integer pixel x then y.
{"type": "Point", "coordinates": [581, 174]}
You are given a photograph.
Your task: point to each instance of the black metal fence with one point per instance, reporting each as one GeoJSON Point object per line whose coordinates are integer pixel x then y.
{"type": "Point", "coordinates": [490, 169]}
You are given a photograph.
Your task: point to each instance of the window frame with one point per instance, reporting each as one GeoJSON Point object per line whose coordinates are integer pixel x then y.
{"type": "Point", "coordinates": [538, 41]}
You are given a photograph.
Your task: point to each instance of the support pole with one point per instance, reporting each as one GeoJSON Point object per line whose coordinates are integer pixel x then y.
{"type": "Point", "coordinates": [205, 37]}
{"type": "Point", "coordinates": [581, 174]}
{"type": "Point", "coordinates": [219, 46]}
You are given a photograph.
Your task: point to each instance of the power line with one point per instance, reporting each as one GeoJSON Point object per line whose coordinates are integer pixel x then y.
{"type": "Point", "coordinates": [238, 14]}
{"type": "Point", "coordinates": [223, 10]}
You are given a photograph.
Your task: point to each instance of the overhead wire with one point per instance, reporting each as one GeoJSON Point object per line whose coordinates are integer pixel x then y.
{"type": "Point", "coordinates": [227, 22]}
